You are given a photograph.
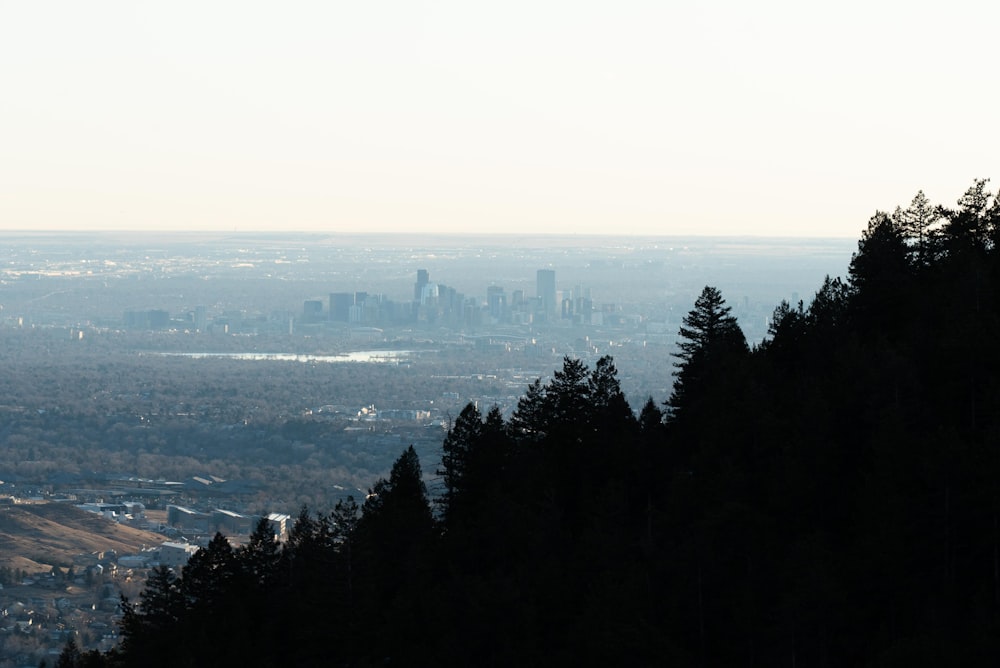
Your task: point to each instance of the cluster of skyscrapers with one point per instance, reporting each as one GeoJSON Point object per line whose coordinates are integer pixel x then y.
{"type": "Point", "coordinates": [436, 303]}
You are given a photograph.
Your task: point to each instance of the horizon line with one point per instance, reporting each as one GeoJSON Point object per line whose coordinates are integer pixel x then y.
{"type": "Point", "coordinates": [323, 233]}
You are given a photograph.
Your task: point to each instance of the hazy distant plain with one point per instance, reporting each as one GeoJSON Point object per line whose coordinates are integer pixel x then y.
{"type": "Point", "coordinates": [92, 278]}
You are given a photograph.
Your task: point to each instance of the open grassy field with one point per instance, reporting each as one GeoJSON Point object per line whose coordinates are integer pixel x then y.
{"type": "Point", "coordinates": [37, 536]}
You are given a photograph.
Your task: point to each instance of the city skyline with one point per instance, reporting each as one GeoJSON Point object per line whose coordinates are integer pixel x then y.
{"type": "Point", "coordinates": [770, 119]}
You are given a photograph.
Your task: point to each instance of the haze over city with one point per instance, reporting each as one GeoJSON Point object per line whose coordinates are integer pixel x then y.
{"type": "Point", "coordinates": [727, 118]}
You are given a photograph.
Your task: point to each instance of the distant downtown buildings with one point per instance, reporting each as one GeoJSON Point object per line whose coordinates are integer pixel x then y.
{"type": "Point", "coordinates": [440, 304]}
{"type": "Point", "coordinates": [432, 304]}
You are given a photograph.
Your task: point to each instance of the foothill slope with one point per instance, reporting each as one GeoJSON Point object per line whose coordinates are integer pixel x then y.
{"type": "Point", "coordinates": [37, 536]}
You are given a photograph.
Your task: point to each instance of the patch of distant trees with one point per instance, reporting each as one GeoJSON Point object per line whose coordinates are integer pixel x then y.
{"type": "Point", "coordinates": [98, 405]}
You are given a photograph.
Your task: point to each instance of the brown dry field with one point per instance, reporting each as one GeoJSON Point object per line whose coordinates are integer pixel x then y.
{"type": "Point", "coordinates": [37, 536]}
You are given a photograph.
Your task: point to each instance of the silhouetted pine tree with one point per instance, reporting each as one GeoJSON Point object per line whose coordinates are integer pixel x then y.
{"type": "Point", "coordinates": [710, 337]}
{"type": "Point", "coordinates": [395, 548]}
{"type": "Point", "coordinates": [456, 452]}
{"type": "Point", "coordinates": [148, 629]}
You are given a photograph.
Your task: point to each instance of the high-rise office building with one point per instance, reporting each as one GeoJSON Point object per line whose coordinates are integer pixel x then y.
{"type": "Point", "coordinates": [422, 280]}
{"type": "Point", "coordinates": [545, 289]}
{"type": "Point", "coordinates": [340, 306]}
{"type": "Point", "coordinates": [496, 301]}
{"type": "Point", "coordinates": [429, 294]}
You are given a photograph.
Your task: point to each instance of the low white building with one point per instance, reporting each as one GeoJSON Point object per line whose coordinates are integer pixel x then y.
{"type": "Point", "coordinates": [175, 555]}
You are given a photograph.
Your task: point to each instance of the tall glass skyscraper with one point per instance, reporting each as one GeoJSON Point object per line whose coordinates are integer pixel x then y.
{"type": "Point", "coordinates": [422, 280]}
{"type": "Point", "coordinates": [545, 289]}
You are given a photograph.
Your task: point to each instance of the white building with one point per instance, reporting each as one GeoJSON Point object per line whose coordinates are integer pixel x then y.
{"type": "Point", "coordinates": [176, 555]}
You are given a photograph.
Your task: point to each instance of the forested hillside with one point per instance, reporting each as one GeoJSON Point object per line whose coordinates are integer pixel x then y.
{"type": "Point", "coordinates": [826, 497]}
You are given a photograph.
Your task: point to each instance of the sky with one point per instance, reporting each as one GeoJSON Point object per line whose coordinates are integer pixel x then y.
{"type": "Point", "coordinates": [559, 117]}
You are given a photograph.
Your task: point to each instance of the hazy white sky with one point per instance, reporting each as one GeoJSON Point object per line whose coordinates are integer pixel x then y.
{"type": "Point", "coordinates": [715, 117]}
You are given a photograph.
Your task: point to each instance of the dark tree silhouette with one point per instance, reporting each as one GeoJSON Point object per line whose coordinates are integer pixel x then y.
{"type": "Point", "coordinates": [146, 631]}
{"type": "Point", "coordinates": [919, 223]}
{"type": "Point", "coordinates": [529, 420]}
{"type": "Point", "coordinates": [971, 227]}
{"type": "Point", "coordinates": [456, 452]}
{"type": "Point", "coordinates": [259, 558]}
{"type": "Point", "coordinates": [711, 349]}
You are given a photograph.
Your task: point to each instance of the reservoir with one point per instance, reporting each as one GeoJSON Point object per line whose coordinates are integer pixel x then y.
{"type": "Point", "coordinates": [362, 356]}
